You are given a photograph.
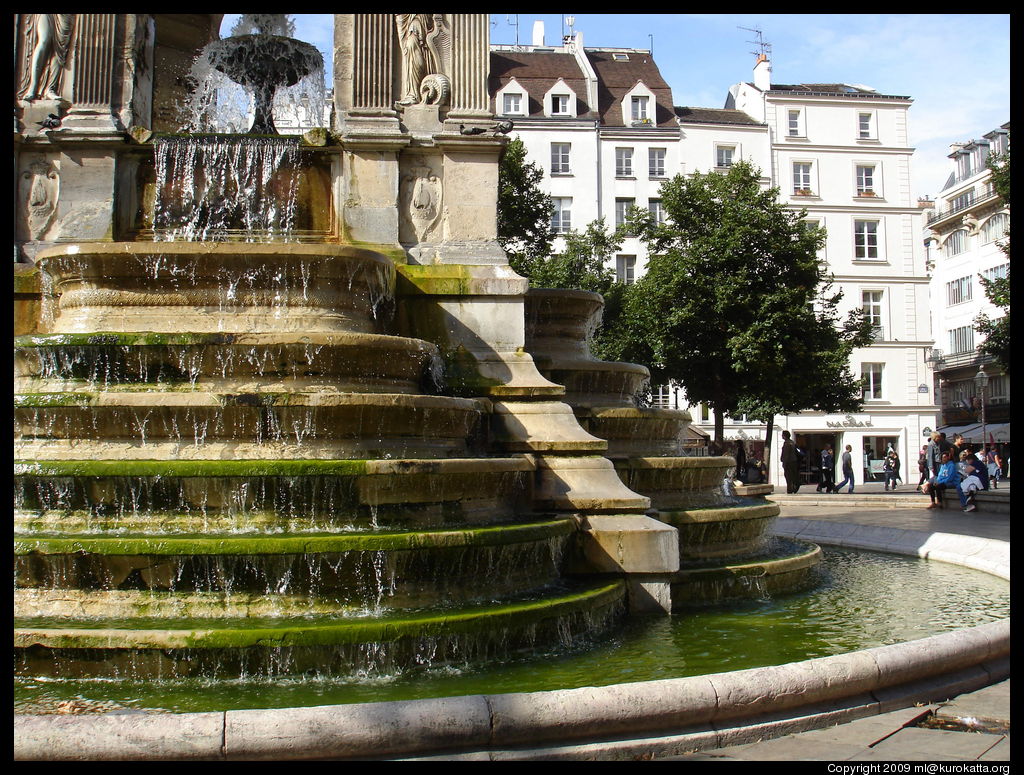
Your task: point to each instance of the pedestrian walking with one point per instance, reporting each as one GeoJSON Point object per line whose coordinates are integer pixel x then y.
{"type": "Point", "coordinates": [846, 460]}
{"type": "Point", "coordinates": [922, 467]}
{"type": "Point", "coordinates": [828, 471]}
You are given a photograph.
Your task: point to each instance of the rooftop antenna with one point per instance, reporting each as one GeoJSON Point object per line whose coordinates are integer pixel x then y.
{"type": "Point", "coordinates": [515, 24]}
{"type": "Point", "coordinates": [651, 37]}
{"type": "Point", "coordinates": [764, 49]}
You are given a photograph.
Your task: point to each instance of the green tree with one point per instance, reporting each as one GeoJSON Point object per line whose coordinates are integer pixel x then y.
{"type": "Point", "coordinates": [584, 264]}
{"type": "Point", "coordinates": [735, 306]}
{"type": "Point", "coordinates": [997, 331]}
{"type": "Point", "coordinates": [524, 210]}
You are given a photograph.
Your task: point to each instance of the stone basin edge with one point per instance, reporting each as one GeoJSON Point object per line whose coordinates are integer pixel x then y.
{"type": "Point", "coordinates": [621, 721]}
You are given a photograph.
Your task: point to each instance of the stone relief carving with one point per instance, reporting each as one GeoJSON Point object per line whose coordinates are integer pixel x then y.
{"type": "Point", "coordinates": [48, 36]}
{"type": "Point", "coordinates": [421, 194]}
{"type": "Point", "coordinates": [38, 189]}
{"type": "Point", "coordinates": [426, 45]}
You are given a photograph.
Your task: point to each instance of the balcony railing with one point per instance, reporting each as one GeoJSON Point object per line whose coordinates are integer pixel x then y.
{"type": "Point", "coordinates": [988, 192]}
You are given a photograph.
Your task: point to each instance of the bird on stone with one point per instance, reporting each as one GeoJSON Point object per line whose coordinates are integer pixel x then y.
{"type": "Point", "coordinates": [50, 122]}
{"type": "Point", "coordinates": [473, 130]}
{"type": "Point", "coordinates": [502, 127]}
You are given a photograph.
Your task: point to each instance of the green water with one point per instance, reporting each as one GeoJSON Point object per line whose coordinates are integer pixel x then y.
{"type": "Point", "coordinates": [864, 600]}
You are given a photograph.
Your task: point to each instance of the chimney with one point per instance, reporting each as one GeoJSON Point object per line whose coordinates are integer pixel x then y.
{"type": "Point", "coordinates": [763, 73]}
{"type": "Point", "coordinates": [925, 203]}
{"type": "Point", "coordinates": [538, 33]}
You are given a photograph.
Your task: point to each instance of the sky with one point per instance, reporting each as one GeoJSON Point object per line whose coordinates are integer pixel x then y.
{"type": "Point", "coordinates": [955, 67]}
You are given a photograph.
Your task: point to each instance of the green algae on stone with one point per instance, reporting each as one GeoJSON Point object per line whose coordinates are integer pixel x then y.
{"type": "Point", "coordinates": [190, 468]}
{"type": "Point", "coordinates": [496, 535]}
{"type": "Point", "coordinates": [324, 631]}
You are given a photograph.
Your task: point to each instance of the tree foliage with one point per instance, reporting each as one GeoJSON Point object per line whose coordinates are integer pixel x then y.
{"type": "Point", "coordinates": [524, 210]}
{"type": "Point", "coordinates": [584, 264]}
{"type": "Point", "coordinates": [735, 305]}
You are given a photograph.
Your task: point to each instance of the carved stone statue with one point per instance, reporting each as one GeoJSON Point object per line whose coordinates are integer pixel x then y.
{"type": "Point", "coordinates": [38, 191]}
{"type": "Point", "coordinates": [426, 43]}
{"type": "Point", "coordinates": [49, 36]}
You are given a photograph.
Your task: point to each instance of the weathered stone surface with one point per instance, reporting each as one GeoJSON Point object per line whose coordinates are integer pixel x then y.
{"type": "Point", "coordinates": [358, 731]}
{"type": "Point", "coordinates": [629, 544]}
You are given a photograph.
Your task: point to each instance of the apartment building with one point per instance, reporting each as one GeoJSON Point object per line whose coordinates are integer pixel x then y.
{"type": "Point", "coordinates": [599, 122]}
{"type": "Point", "coordinates": [963, 233]}
{"type": "Point", "coordinates": [842, 152]}
{"type": "Point", "coordinates": [602, 125]}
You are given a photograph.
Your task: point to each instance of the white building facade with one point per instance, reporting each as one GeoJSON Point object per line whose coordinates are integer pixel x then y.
{"type": "Point", "coordinates": [963, 234]}
{"type": "Point", "coordinates": [842, 153]}
{"type": "Point", "coordinates": [599, 122]}
{"type": "Point", "coordinates": [602, 126]}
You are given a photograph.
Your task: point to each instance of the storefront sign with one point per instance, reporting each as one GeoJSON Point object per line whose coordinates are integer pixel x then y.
{"type": "Point", "coordinates": [850, 422]}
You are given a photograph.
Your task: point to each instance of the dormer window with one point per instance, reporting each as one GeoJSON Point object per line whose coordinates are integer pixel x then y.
{"type": "Point", "coordinates": [560, 101]}
{"type": "Point", "coordinates": [512, 104]}
{"type": "Point", "coordinates": [638, 106]}
{"type": "Point", "coordinates": [512, 99]}
{"type": "Point", "coordinates": [639, 109]}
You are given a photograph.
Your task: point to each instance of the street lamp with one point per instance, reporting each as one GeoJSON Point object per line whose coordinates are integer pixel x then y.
{"type": "Point", "coordinates": [981, 382]}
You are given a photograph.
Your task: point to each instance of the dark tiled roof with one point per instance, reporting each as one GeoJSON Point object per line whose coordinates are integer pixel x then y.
{"type": "Point", "coordinates": [537, 72]}
{"type": "Point", "coordinates": [714, 116]}
{"type": "Point", "coordinates": [617, 78]}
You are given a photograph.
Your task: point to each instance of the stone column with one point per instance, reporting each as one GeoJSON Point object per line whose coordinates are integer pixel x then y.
{"type": "Point", "coordinates": [470, 66]}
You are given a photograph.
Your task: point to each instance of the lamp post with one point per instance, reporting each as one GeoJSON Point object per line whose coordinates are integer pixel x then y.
{"type": "Point", "coordinates": [981, 382]}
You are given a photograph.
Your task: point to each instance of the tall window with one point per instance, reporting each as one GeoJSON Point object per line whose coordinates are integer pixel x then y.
{"type": "Point", "coordinates": [640, 109]}
{"type": "Point", "coordinates": [794, 123]}
{"type": "Point", "coordinates": [865, 126]}
{"type": "Point", "coordinates": [871, 374]}
{"type": "Point", "coordinates": [624, 162]}
{"type": "Point", "coordinates": [625, 269]}
{"type": "Point", "coordinates": [724, 155]}
{"type": "Point", "coordinates": [656, 162]}
{"type": "Point", "coordinates": [961, 340]}
{"type": "Point", "coordinates": [512, 104]}
{"type": "Point", "coordinates": [622, 208]}
{"type": "Point", "coordinates": [956, 243]}
{"type": "Point", "coordinates": [663, 397]}
{"type": "Point", "coordinates": [865, 239]}
{"type": "Point", "coordinates": [560, 158]}
{"type": "Point", "coordinates": [996, 272]}
{"type": "Point", "coordinates": [561, 214]}
{"type": "Point", "coordinates": [657, 210]}
{"type": "Point", "coordinates": [865, 180]}
{"type": "Point", "coordinates": [871, 303]}
{"type": "Point", "coordinates": [962, 201]}
{"type": "Point", "coordinates": [958, 291]}
{"type": "Point", "coordinates": [802, 177]}
{"type": "Point", "coordinates": [559, 104]}
{"type": "Point", "coordinates": [995, 228]}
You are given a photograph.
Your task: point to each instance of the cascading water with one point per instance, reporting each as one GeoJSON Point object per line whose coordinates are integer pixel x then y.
{"type": "Point", "coordinates": [231, 465]}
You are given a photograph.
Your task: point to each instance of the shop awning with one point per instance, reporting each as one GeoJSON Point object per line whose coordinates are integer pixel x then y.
{"type": "Point", "coordinates": [998, 432]}
{"type": "Point", "coordinates": [963, 430]}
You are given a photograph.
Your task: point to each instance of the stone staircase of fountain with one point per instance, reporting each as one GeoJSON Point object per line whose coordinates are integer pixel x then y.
{"type": "Point", "coordinates": [723, 546]}
{"type": "Point", "coordinates": [245, 497]}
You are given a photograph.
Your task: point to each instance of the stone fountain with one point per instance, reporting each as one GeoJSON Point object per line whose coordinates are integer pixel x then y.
{"type": "Point", "coordinates": [265, 455]}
